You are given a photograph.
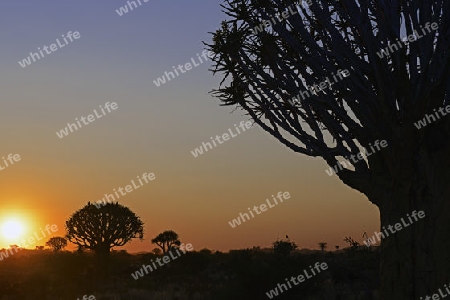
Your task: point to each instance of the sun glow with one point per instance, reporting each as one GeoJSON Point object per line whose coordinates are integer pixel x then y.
{"type": "Point", "coordinates": [12, 229]}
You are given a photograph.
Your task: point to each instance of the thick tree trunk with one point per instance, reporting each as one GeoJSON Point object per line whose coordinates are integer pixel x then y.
{"type": "Point", "coordinates": [415, 261]}
{"type": "Point", "coordinates": [103, 250]}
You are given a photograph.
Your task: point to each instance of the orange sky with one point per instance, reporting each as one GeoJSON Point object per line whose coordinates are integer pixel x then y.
{"type": "Point", "coordinates": [196, 197]}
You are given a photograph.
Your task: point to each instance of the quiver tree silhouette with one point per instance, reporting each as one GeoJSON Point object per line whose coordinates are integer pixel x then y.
{"type": "Point", "coordinates": [381, 99]}
{"type": "Point", "coordinates": [352, 243]}
{"type": "Point", "coordinates": [56, 243]}
{"type": "Point", "coordinates": [167, 240]}
{"type": "Point", "coordinates": [323, 246]}
{"type": "Point", "coordinates": [100, 229]}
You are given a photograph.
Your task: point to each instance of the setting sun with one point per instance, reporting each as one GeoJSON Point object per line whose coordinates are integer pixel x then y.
{"type": "Point", "coordinates": [12, 229]}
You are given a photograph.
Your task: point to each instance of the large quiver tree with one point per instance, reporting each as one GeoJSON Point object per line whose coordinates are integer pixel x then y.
{"type": "Point", "coordinates": [381, 99]}
{"type": "Point", "coordinates": [100, 229]}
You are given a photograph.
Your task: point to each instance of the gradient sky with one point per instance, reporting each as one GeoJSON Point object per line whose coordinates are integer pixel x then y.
{"type": "Point", "coordinates": [153, 130]}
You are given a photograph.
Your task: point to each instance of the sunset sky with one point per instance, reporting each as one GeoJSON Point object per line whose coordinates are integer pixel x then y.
{"type": "Point", "coordinates": [153, 130]}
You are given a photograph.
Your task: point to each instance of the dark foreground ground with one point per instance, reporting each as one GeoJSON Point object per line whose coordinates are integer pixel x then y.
{"type": "Point", "coordinates": [241, 274]}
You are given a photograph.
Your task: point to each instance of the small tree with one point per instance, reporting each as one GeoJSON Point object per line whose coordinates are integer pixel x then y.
{"type": "Point", "coordinates": [100, 229]}
{"type": "Point", "coordinates": [56, 243]}
{"type": "Point", "coordinates": [352, 243]}
{"type": "Point", "coordinates": [323, 246]}
{"type": "Point", "coordinates": [283, 247]}
{"type": "Point", "coordinates": [167, 240]}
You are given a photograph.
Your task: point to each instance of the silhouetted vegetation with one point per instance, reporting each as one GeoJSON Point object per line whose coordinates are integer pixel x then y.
{"type": "Point", "coordinates": [271, 69]}
{"type": "Point", "coordinates": [352, 243]}
{"type": "Point", "coordinates": [283, 247]}
{"type": "Point", "coordinates": [56, 243]}
{"type": "Point", "coordinates": [202, 275]}
{"type": "Point", "coordinates": [323, 246]}
{"type": "Point", "coordinates": [100, 229]}
{"type": "Point", "coordinates": [167, 240]}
